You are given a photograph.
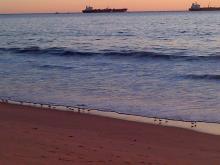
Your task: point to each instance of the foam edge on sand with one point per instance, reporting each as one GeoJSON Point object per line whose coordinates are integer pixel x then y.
{"type": "Point", "coordinates": [209, 128]}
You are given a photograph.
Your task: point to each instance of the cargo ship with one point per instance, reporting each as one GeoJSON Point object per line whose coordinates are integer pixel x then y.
{"type": "Point", "coordinates": [196, 7]}
{"type": "Point", "coordinates": [90, 9]}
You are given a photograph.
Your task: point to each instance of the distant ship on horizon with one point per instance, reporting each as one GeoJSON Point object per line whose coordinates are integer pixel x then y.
{"type": "Point", "coordinates": [89, 9]}
{"type": "Point", "coordinates": [196, 7]}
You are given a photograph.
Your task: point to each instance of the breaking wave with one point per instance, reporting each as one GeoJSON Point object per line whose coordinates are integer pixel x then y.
{"type": "Point", "coordinates": [59, 51]}
{"type": "Point", "coordinates": [203, 76]}
{"type": "Point", "coordinates": [54, 67]}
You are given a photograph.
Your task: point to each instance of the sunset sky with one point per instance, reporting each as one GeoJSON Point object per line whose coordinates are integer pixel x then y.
{"type": "Point", "coordinates": [27, 6]}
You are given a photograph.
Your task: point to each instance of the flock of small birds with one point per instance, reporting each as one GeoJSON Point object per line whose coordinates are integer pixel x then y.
{"type": "Point", "coordinates": [194, 124]}
{"type": "Point", "coordinates": [160, 121]}
{"type": "Point", "coordinates": [157, 121]}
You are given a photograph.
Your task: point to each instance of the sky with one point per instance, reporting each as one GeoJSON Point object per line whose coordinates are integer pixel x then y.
{"type": "Point", "coordinates": [39, 6]}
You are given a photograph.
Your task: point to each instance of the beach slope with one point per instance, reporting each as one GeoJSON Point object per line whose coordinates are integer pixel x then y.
{"type": "Point", "coordinates": [42, 136]}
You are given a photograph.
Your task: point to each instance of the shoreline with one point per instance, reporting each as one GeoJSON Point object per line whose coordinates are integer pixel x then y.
{"type": "Point", "coordinates": [198, 126]}
{"type": "Point", "coordinates": [31, 135]}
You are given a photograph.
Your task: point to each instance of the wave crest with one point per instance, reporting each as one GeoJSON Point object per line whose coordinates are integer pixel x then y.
{"type": "Point", "coordinates": [55, 67]}
{"type": "Point", "coordinates": [203, 76]}
{"type": "Point", "coordinates": [60, 51]}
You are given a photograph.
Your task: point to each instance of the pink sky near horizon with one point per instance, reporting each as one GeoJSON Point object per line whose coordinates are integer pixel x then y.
{"type": "Point", "coordinates": [35, 6]}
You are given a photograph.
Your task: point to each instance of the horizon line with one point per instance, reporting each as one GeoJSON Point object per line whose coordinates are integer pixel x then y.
{"type": "Point", "coordinates": [79, 12]}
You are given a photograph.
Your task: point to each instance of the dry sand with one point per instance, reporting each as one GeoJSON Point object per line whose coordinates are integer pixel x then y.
{"type": "Point", "coordinates": [42, 136]}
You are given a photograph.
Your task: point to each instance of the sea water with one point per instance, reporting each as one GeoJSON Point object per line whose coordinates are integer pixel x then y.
{"type": "Point", "coordinates": [155, 64]}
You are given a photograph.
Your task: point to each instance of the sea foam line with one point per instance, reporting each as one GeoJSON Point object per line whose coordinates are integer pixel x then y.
{"type": "Point", "coordinates": [203, 127]}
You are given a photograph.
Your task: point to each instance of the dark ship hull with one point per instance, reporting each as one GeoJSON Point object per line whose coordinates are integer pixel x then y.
{"type": "Point", "coordinates": [206, 9]}
{"type": "Point", "coordinates": [105, 11]}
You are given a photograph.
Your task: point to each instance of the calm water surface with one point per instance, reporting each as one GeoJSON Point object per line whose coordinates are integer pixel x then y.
{"type": "Point", "coordinates": [164, 64]}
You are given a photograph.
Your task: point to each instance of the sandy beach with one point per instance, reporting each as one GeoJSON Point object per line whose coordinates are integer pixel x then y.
{"type": "Point", "coordinates": [42, 136]}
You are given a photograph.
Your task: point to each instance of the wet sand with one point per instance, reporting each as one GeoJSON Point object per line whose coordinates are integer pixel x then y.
{"type": "Point", "coordinates": [42, 136]}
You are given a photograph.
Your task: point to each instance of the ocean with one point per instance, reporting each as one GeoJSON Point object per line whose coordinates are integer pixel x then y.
{"type": "Point", "coordinates": [154, 64]}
